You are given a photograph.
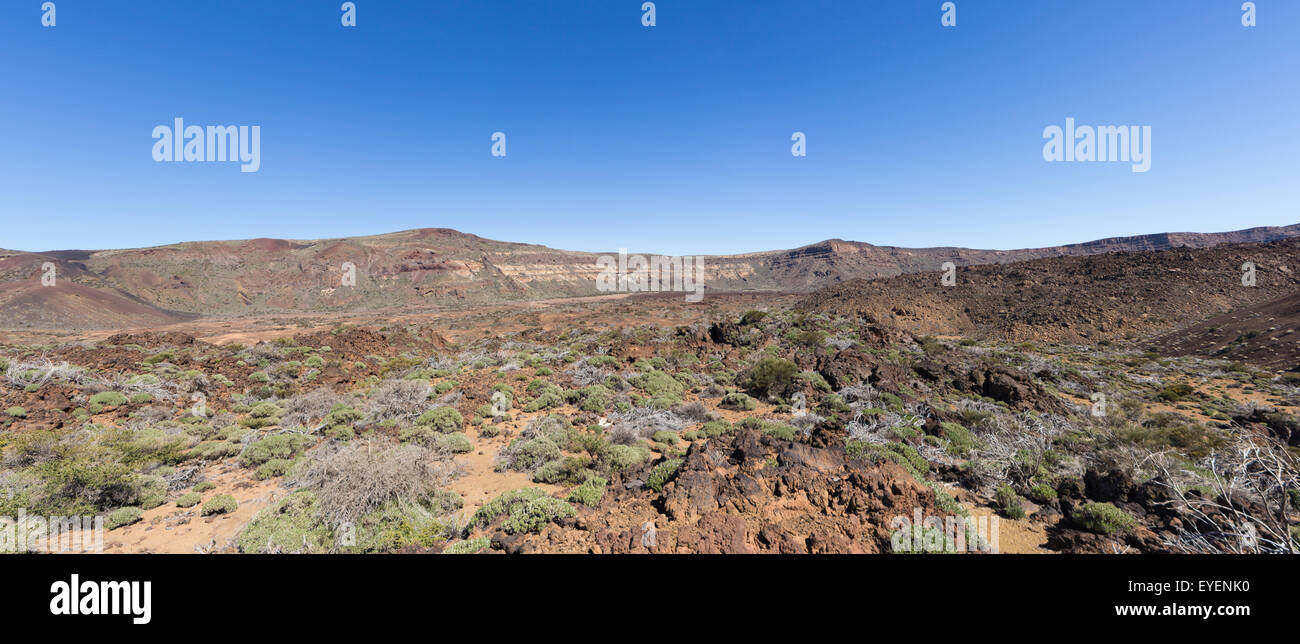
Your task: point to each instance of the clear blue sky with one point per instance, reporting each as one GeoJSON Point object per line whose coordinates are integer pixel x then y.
{"type": "Point", "coordinates": [671, 139]}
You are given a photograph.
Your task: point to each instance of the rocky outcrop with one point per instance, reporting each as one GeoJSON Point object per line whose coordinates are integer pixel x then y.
{"type": "Point", "coordinates": [747, 493]}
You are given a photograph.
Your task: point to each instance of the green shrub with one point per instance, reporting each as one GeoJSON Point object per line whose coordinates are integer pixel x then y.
{"type": "Point", "coordinates": [815, 380]}
{"type": "Point", "coordinates": [341, 433]}
{"type": "Point", "coordinates": [1042, 493]}
{"type": "Point", "coordinates": [292, 525]}
{"type": "Point", "coordinates": [834, 403]}
{"type": "Point", "coordinates": [123, 517]}
{"type": "Point", "coordinates": [959, 441]}
{"type": "Point", "coordinates": [780, 430]}
{"type": "Point", "coordinates": [595, 399]}
{"type": "Point", "coordinates": [504, 504]}
{"type": "Point", "coordinates": [222, 504]}
{"type": "Point", "coordinates": [738, 401]}
{"type": "Point", "coordinates": [1175, 392]}
{"type": "Point", "coordinates": [534, 515]}
{"type": "Point", "coordinates": [164, 356]}
{"type": "Point", "coordinates": [273, 468]}
{"type": "Point", "coordinates": [204, 486]}
{"type": "Point", "coordinates": [455, 442]}
{"type": "Point", "coordinates": [547, 400]}
{"type": "Point", "coordinates": [214, 450]}
{"type": "Point", "coordinates": [343, 415]}
{"type": "Point", "coordinates": [281, 446]}
{"type": "Point", "coordinates": [772, 377]}
{"type": "Point", "coordinates": [189, 500]}
{"type": "Point", "coordinates": [621, 457]}
{"type": "Point", "coordinates": [715, 428]}
{"type": "Point", "coordinates": [657, 384]}
{"type": "Point", "coordinates": [108, 399]}
{"type": "Point", "coordinates": [1103, 518]}
{"type": "Point", "coordinates": [900, 453]}
{"type": "Point", "coordinates": [150, 491]}
{"type": "Point", "coordinates": [263, 414]}
{"type": "Point", "coordinates": [567, 470]}
{"type": "Point", "coordinates": [1161, 431]}
{"type": "Point", "coordinates": [590, 492]}
{"type": "Point", "coordinates": [468, 546]}
{"type": "Point", "coordinates": [662, 473]}
{"type": "Point", "coordinates": [892, 403]}
{"type": "Point", "coordinates": [1009, 502]}
{"type": "Point", "coordinates": [16, 412]}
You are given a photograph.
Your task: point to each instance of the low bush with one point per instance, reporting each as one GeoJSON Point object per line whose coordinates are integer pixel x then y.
{"type": "Point", "coordinates": [122, 517]}
{"type": "Point", "coordinates": [468, 546]}
{"type": "Point", "coordinates": [222, 504]}
{"type": "Point", "coordinates": [278, 446]}
{"type": "Point", "coordinates": [738, 401]}
{"type": "Point", "coordinates": [1009, 502]}
{"type": "Point", "coordinates": [590, 492]}
{"type": "Point", "coordinates": [1103, 518]}
{"type": "Point", "coordinates": [662, 474]}
{"type": "Point", "coordinates": [534, 515]}
{"type": "Point", "coordinates": [772, 377]}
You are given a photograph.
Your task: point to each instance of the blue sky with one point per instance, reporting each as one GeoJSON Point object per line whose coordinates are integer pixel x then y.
{"type": "Point", "coordinates": [671, 139]}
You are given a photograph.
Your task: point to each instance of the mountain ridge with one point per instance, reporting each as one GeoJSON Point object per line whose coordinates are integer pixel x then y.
{"type": "Point", "coordinates": [442, 268]}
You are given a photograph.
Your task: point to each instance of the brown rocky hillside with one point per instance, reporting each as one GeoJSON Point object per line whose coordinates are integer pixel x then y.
{"type": "Point", "coordinates": [435, 268]}
{"type": "Point", "coordinates": [1123, 295]}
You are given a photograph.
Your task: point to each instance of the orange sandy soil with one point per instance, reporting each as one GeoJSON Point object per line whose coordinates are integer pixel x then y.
{"type": "Point", "coordinates": [173, 530]}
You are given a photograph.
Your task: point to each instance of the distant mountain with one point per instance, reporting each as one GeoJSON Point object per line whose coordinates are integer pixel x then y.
{"type": "Point", "coordinates": [436, 268]}
{"type": "Point", "coordinates": [1129, 295]}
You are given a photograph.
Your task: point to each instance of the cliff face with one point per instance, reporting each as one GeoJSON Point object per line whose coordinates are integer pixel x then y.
{"type": "Point", "coordinates": [437, 268]}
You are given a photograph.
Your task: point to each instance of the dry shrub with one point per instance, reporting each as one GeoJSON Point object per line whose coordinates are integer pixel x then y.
{"type": "Point", "coordinates": [353, 480]}
{"type": "Point", "coordinates": [693, 412]}
{"type": "Point", "coordinates": [401, 399]}
{"type": "Point", "coordinates": [38, 371]}
{"type": "Point", "coordinates": [640, 423]}
{"type": "Point", "coordinates": [303, 409]}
